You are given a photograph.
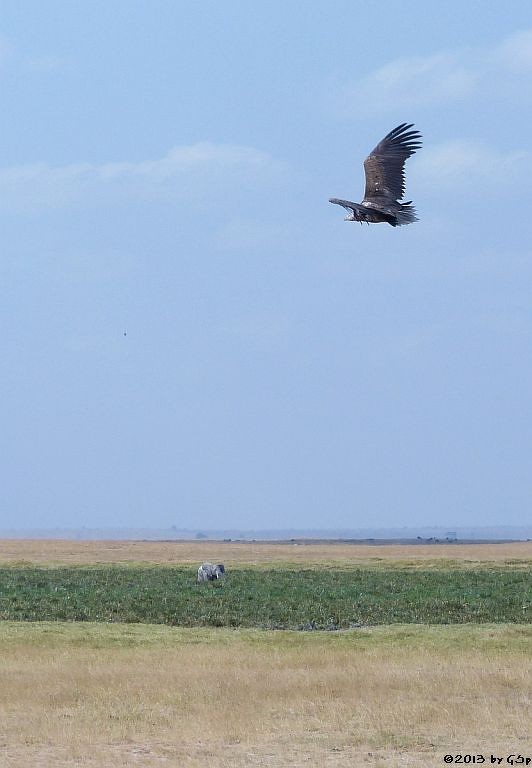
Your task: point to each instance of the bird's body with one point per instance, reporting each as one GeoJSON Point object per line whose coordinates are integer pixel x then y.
{"type": "Point", "coordinates": [385, 181]}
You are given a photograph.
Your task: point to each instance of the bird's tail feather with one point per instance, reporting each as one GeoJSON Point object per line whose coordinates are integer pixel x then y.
{"type": "Point", "coordinates": [406, 214]}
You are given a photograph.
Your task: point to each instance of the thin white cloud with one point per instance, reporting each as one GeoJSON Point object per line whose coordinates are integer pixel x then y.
{"type": "Point", "coordinates": [468, 164]}
{"type": "Point", "coordinates": [515, 52]}
{"type": "Point", "coordinates": [196, 157]}
{"type": "Point", "coordinates": [444, 77]}
{"type": "Point", "coordinates": [412, 81]}
{"type": "Point", "coordinates": [44, 64]}
{"type": "Point", "coordinates": [187, 172]}
{"type": "Point", "coordinates": [20, 64]}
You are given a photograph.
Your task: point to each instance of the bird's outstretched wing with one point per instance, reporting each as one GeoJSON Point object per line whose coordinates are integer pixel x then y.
{"type": "Point", "coordinates": [384, 166]}
{"type": "Point", "coordinates": [344, 203]}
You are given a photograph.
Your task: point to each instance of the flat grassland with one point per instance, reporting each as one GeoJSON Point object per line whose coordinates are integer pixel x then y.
{"type": "Point", "coordinates": [309, 598]}
{"type": "Point", "coordinates": [98, 694]}
{"type": "Point", "coordinates": [103, 695]}
{"type": "Point", "coordinates": [260, 554]}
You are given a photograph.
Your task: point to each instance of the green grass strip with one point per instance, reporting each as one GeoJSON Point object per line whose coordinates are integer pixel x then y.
{"type": "Point", "coordinates": [267, 599]}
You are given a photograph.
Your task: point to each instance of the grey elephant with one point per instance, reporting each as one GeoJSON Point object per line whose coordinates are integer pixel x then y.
{"type": "Point", "coordinates": [210, 572]}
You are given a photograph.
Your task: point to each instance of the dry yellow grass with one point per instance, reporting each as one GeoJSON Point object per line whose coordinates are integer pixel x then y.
{"type": "Point", "coordinates": [98, 696]}
{"type": "Point", "coordinates": [51, 552]}
{"type": "Point", "coordinates": [104, 695]}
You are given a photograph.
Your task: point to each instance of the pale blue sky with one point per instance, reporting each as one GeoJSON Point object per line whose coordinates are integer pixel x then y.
{"type": "Point", "coordinates": [164, 171]}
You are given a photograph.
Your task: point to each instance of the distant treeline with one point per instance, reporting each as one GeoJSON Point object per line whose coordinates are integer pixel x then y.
{"type": "Point", "coordinates": [397, 535]}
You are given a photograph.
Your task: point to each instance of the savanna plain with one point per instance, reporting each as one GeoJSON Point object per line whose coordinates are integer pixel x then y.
{"type": "Point", "coordinates": [309, 654]}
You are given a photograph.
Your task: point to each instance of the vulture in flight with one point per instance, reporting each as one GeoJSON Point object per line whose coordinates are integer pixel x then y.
{"type": "Point", "coordinates": [385, 181]}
